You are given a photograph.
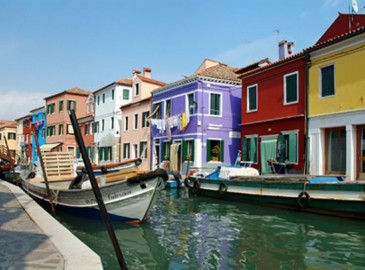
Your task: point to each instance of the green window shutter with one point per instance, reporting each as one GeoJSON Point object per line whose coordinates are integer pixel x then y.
{"type": "Point", "coordinates": [291, 88]}
{"type": "Point", "coordinates": [78, 152]}
{"type": "Point", "coordinates": [253, 150]}
{"type": "Point", "coordinates": [106, 156]}
{"type": "Point", "coordinates": [293, 147]}
{"type": "Point", "coordinates": [252, 102]}
{"type": "Point", "coordinates": [221, 152]}
{"type": "Point", "coordinates": [163, 151]}
{"type": "Point", "coordinates": [184, 150]}
{"type": "Point", "coordinates": [100, 153]}
{"type": "Point", "coordinates": [192, 150]}
{"type": "Point", "coordinates": [244, 150]}
{"type": "Point", "coordinates": [208, 150]}
{"type": "Point", "coordinates": [280, 153]}
{"type": "Point", "coordinates": [328, 81]}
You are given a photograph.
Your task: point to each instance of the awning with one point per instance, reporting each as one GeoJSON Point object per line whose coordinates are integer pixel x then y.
{"type": "Point", "coordinates": [48, 147]}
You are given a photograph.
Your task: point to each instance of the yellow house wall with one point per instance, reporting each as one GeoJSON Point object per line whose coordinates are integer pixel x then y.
{"type": "Point", "coordinates": [349, 81]}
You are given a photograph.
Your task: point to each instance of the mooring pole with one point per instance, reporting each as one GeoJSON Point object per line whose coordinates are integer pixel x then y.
{"type": "Point", "coordinates": [44, 171]}
{"type": "Point", "coordinates": [96, 190]}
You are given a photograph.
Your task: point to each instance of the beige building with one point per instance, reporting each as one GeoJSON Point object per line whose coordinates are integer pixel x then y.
{"type": "Point", "coordinates": [8, 131]}
{"type": "Point", "coordinates": [135, 134]}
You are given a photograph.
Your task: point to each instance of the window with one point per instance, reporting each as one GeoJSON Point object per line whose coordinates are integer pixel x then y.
{"type": "Point", "coordinates": [95, 127]}
{"type": "Point", "coordinates": [60, 105]}
{"type": "Point", "coordinates": [135, 151]}
{"type": "Point", "coordinates": [156, 110]}
{"type": "Point", "coordinates": [126, 123]}
{"type": "Point", "coordinates": [287, 148]}
{"type": "Point", "coordinates": [102, 125]}
{"type": "Point", "coordinates": [215, 104]}
{"type": "Point", "coordinates": [215, 150]}
{"type": "Point", "coordinates": [136, 89]}
{"type": "Point", "coordinates": [328, 81]}
{"type": "Point", "coordinates": [86, 129]}
{"type": "Point", "coordinates": [166, 150]}
{"type": "Point", "coordinates": [126, 147]}
{"type": "Point", "coordinates": [98, 100]}
{"type": "Point", "coordinates": [191, 103]}
{"type": "Point", "coordinates": [112, 122]}
{"type": "Point", "coordinates": [112, 94]}
{"type": "Point", "coordinates": [188, 150]}
{"type": "Point", "coordinates": [135, 121]}
{"type": "Point", "coordinates": [50, 130]}
{"type": "Point", "coordinates": [70, 129]}
{"type": "Point", "coordinates": [104, 98]}
{"type": "Point", "coordinates": [143, 150]}
{"type": "Point", "coordinates": [60, 129]}
{"type": "Point", "coordinates": [335, 147]}
{"type": "Point", "coordinates": [145, 122]}
{"type": "Point", "coordinates": [249, 149]}
{"type": "Point", "coordinates": [125, 94]}
{"type": "Point", "coordinates": [0, 136]}
{"type": "Point", "coordinates": [291, 88]}
{"type": "Point", "coordinates": [168, 108]}
{"type": "Point", "coordinates": [71, 105]}
{"type": "Point", "coordinates": [11, 136]}
{"type": "Point", "coordinates": [252, 98]}
{"type": "Point", "coordinates": [50, 108]}
{"type": "Point", "coordinates": [105, 153]}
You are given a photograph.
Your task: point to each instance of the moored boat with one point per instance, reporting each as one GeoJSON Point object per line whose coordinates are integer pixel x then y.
{"type": "Point", "coordinates": [127, 195]}
{"type": "Point", "coordinates": [112, 167]}
{"type": "Point", "coordinates": [330, 195]}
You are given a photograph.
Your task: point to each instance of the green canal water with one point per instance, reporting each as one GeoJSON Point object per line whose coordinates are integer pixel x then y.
{"type": "Point", "coordinates": [183, 232]}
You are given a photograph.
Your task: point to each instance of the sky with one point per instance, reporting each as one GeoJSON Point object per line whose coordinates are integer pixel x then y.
{"type": "Point", "coordinates": [49, 46]}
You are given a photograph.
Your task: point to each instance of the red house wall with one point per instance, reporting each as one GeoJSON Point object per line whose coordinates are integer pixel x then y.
{"type": "Point", "coordinates": [272, 115]}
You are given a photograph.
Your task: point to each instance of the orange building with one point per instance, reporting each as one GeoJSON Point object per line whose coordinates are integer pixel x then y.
{"type": "Point", "coordinates": [59, 132]}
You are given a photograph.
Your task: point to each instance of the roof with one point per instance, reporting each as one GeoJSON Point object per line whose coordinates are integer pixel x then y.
{"type": "Point", "coordinates": [74, 91]}
{"type": "Point", "coordinates": [6, 123]}
{"type": "Point", "coordinates": [343, 24]}
{"type": "Point", "coordinates": [220, 71]}
{"type": "Point", "coordinates": [149, 80]}
{"type": "Point", "coordinates": [247, 72]}
{"type": "Point", "coordinates": [255, 65]}
{"type": "Point", "coordinates": [145, 100]}
{"type": "Point", "coordinates": [124, 81]}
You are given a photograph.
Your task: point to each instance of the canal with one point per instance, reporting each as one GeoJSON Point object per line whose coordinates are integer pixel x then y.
{"type": "Point", "coordinates": [183, 232]}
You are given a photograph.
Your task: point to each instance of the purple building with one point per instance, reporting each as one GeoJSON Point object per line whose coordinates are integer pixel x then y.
{"type": "Point", "coordinates": [196, 120]}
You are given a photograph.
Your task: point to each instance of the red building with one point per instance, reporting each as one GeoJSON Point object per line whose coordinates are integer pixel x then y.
{"type": "Point", "coordinates": [273, 111]}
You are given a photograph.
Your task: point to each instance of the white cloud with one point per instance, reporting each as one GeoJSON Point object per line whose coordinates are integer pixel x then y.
{"type": "Point", "coordinates": [252, 51]}
{"type": "Point", "coordinates": [15, 104]}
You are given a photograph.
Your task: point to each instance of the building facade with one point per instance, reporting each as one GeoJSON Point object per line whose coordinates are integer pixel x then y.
{"type": "Point", "coordinates": [136, 131]}
{"type": "Point", "coordinates": [195, 121]}
{"type": "Point", "coordinates": [39, 124]}
{"type": "Point", "coordinates": [59, 132]}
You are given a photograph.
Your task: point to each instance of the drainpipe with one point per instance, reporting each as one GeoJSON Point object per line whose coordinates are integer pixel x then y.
{"type": "Point", "coordinates": [306, 142]}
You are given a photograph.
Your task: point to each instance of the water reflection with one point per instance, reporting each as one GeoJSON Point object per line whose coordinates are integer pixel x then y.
{"type": "Point", "coordinates": [201, 233]}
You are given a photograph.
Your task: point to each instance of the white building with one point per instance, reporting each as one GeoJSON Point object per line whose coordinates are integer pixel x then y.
{"type": "Point", "coordinates": [108, 117]}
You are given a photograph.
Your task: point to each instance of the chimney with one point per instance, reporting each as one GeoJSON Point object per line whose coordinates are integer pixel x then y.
{"type": "Point", "coordinates": [136, 72]}
{"type": "Point", "coordinates": [147, 72]}
{"type": "Point", "coordinates": [286, 49]}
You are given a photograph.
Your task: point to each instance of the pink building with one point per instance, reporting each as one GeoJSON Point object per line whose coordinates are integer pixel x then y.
{"type": "Point", "coordinates": [59, 132]}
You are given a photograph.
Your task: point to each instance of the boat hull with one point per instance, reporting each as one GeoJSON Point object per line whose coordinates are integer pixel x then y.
{"type": "Point", "coordinates": [337, 199]}
{"type": "Point", "coordinates": [125, 201]}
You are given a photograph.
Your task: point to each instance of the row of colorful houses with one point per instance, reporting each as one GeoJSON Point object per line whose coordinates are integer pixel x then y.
{"type": "Point", "coordinates": [305, 109]}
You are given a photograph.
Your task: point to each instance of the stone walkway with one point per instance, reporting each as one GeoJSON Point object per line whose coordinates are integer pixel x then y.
{"type": "Point", "coordinates": [32, 239]}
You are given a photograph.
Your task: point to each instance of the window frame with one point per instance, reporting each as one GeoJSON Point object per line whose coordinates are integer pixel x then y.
{"type": "Point", "coordinates": [219, 114]}
{"type": "Point", "coordinates": [286, 76]}
{"type": "Point", "coordinates": [248, 109]}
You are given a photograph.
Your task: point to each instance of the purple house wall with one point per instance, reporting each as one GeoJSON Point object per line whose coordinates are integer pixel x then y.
{"type": "Point", "coordinates": [195, 121]}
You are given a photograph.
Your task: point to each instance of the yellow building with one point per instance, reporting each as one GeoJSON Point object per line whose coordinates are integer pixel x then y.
{"type": "Point", "coordinates": [336, 106]}
{"type": "Point", "coordinates": [8, 131]}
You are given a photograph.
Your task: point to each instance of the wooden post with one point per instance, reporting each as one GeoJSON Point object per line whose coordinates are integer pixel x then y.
{"type": "Point", "coordinates": [94, 184]}
{"type": "Point", "coordinates": [44, 171]}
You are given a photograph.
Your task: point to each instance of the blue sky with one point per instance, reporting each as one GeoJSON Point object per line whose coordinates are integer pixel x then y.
{"type": "Point", "coordinates": [48, 46]}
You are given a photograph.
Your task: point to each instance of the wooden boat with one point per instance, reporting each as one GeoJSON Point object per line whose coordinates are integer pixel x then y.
{"type": "Point", "coordinates": [112, 167]}
{"type": "Point", "coordinates": [330, 195]}
{"type": "Point", "coordinates": [127, 195]}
